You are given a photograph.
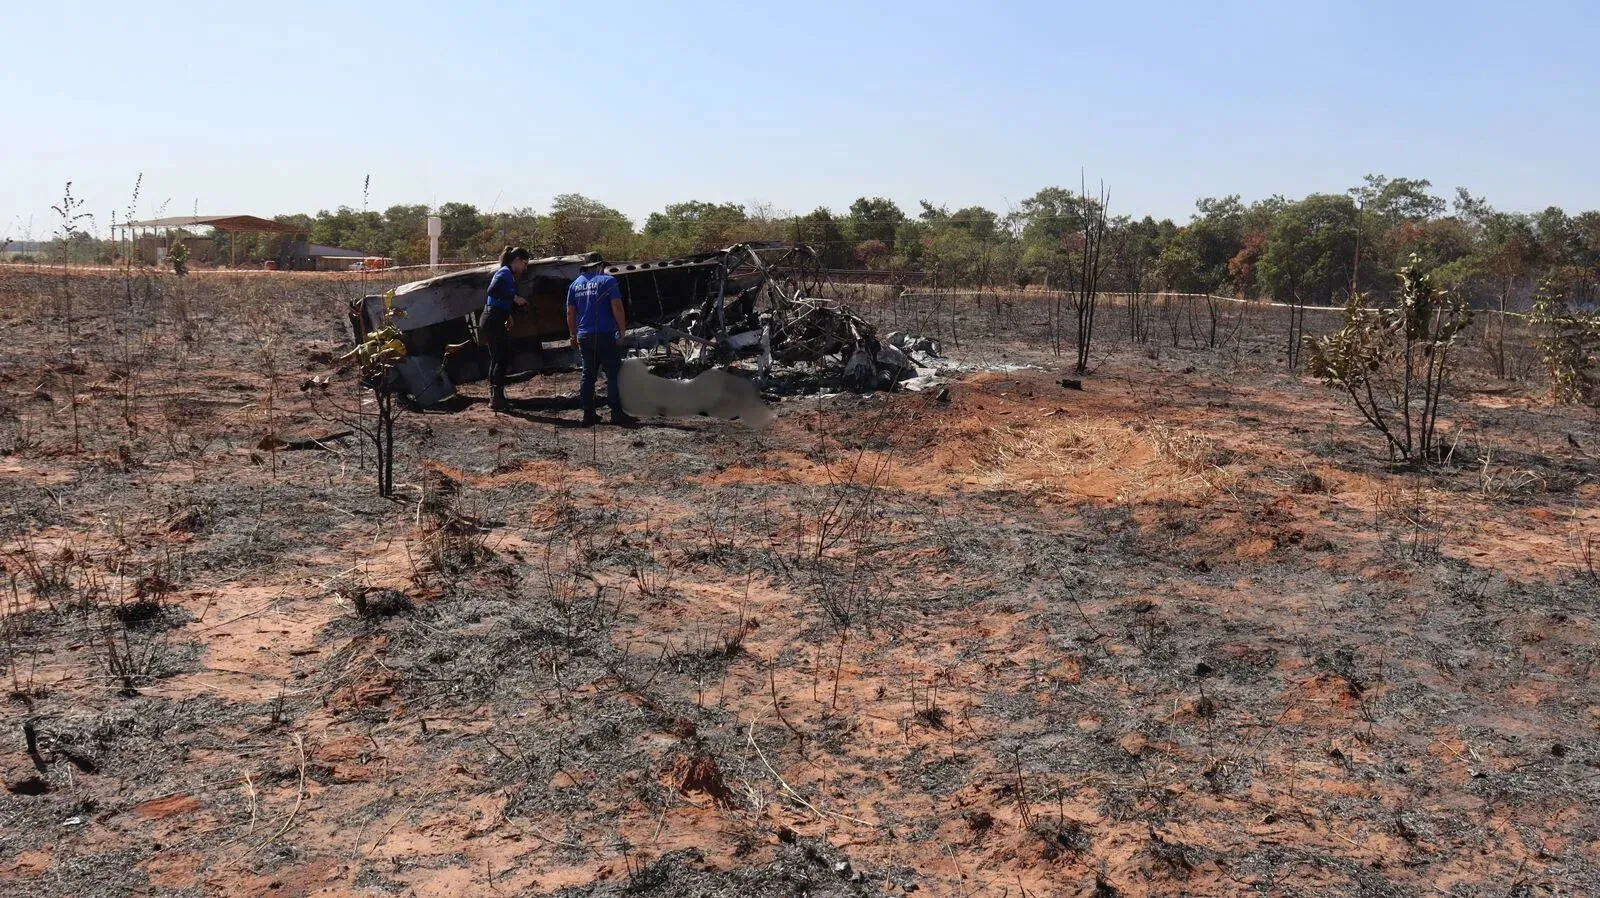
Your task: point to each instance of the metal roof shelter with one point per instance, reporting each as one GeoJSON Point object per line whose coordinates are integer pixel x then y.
{"type": "Point", "coordinates": [225, 223]}
{"type": "Point", "coordinates": [228, 224]}
{"type": "Point", "coordinates": [318, 251]}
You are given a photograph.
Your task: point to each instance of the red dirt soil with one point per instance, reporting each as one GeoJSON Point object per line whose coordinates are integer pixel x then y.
{"type": "Point", "coordinates": [1178, 633]}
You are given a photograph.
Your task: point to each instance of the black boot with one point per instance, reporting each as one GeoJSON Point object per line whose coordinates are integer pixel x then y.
{"type": "Point", "coordinates": [497, 399]}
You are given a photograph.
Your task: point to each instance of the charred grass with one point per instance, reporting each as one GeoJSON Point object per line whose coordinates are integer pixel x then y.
{"type": "Point", "coordinates": [1178, 633]}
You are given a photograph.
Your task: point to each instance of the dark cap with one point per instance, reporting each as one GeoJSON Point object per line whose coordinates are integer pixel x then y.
{"type": "Point", "coordinates": [593, 262]}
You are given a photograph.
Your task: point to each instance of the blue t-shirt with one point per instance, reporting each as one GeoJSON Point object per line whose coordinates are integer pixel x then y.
{"type": "Point", "coordinates": [502, 290]}
{"type": "Point", "coordinates": [591, 295]}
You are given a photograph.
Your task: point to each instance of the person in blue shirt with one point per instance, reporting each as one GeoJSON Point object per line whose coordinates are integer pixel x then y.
{"type": "Point", "coordinates": [596, 319]}
{"type": "Point", "coordinates": [501, 303]}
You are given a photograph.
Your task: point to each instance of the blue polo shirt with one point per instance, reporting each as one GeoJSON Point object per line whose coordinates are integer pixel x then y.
{"type": "Point", "coordinates": [502, 290]}
{"type": "Point", "coordinates": [591, 295]}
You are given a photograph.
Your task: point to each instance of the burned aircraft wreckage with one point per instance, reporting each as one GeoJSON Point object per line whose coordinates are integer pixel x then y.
{"type": "Point", "coordinates": [746, 302]}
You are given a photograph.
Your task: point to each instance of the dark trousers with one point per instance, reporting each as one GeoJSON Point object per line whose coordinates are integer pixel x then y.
{"type": "Point", "coordinates": [492, 329]}
{"type": "Point", "coordinates": [600, 351]}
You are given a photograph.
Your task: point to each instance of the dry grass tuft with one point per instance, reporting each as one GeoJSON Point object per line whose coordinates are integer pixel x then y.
{"type": "Point", "coordinates": [1406, 518]}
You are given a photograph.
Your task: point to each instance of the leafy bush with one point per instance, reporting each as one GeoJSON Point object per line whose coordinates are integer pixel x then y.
{"type": "Point", "coordinates": [1570, 345]}
{"type": "Point", "coordinates": [179, 257]}
{"type": "Point", "coordinates": [1394, 363]}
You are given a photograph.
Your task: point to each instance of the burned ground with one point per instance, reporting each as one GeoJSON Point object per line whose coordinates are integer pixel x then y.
{"type": "Point", "coordinates": [1180, 632]}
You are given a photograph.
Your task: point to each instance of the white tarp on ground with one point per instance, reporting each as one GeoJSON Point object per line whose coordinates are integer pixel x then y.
{"type": "Point", "coordinates": [928, 368]}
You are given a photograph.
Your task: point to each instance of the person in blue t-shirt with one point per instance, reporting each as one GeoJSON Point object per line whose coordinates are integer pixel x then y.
{"type": "Point", "coordinates": [497, 310]}
{"type": "Point", "coordinates": [596, 318]}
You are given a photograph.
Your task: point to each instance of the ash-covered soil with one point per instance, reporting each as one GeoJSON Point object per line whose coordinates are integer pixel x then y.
{"type": "Point", "coordinates": [1181, 632]}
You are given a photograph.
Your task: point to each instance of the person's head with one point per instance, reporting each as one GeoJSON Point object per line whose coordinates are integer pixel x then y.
{"type": "Point", "coordinates": [515, 258]}
{"type": "Point", "coordinates": [593, 266]}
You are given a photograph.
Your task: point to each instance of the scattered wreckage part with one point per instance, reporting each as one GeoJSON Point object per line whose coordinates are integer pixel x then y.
{"type": "Point", "coordinates": [275, 443]}
{"type": "Point", "coordinates": [894, 365]}
{"type": "Point", "coordinates": [715, 394]}
{"type": "Point", "coordinates": [810, 329]}
{"type": "Point", "coordinates": [746, 340]}
{"type": "Point", "coordinates": [764, 359]}
{"type": "Point", "coordinates": [653, 337]}
{"type": "Point", "coordinates": [909, 343]}
{"type": "Point", "coordinates": [423, 381]}
{"type": "Point", "coordinates": [720, 306]}
{"type": "Point", "coordinates": [924, 382]}
{"type": "Point", "coordinates": [800, 269]}
{"type": "Point", "coordinates": [860, 373]}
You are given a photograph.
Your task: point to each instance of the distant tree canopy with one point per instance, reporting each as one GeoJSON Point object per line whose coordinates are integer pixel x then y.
{"type": "Point", "coordinates": [693, 227]}
{"type": "Point", "coordinates": [578, 224]}
{"type": "Point", "coordinates": [1310, 253]}
{"type": "Point", "coordinates": [819, 229]}
{"type": "Point", "coordinates": [1313, 250]}
{"type": "Point", "coordinates": [875, 219]}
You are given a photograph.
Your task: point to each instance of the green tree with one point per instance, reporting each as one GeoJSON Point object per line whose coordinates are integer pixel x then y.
{"type": "Point", "coordinates": [1388, 202]}
{"type": "Point", "coordinates": [1439, 243]}
{"type": "Point", "coordinates": [1135, 248]}
{"type": "Point", "coordinates": [954, 255]}
{"type": "Point", "coordinates": [405, 234]}
{"type": "Point", "coordinates": [694, 226]}
{"type": "Point", "coordinates": [1051, 227]}
{"type": "Point", "coordinates": [1197, 258]}
{"type": "Point", "coordinates": [519, 226]}
{"type": "Point", "coordinates": [976, 221]}
{"type": "Point", "coordinates": [578, 224]}
{"type": "Point", "coordinates": [1506, 248]}
{"type": "Point", "coordinates": [955, 248]}
{"type": "Point", "coordinates": [1181, 265]}
{"type": "Point", "coordinates": [1559, 240]}
{"type": "Point", "coordinates": [1051, 214]}
{"type": "Point", "coordinates": [822, 233]}
{"type": "Point", "coordinates": [874, 219]}
{"type": "Point", "coordinates": [1310, 252]}
{"type": "Point", "coordinates": [910, 247]}
{"type": "Point", "coordinates": [349, 229]}
{"type": "Point", "coordinates": [462, 234]}
{"type": "Point", "coordinates": [1391, 211]}
{"type": "Point", "coordinates": [279, 246]}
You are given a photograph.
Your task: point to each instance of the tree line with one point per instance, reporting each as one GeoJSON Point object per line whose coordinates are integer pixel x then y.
{"type": "Point", "coordinates": [1312, 251]}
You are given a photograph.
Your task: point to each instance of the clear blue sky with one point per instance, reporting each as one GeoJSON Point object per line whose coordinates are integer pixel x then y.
{"type": "Point", "coordinates": [264, 108]}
